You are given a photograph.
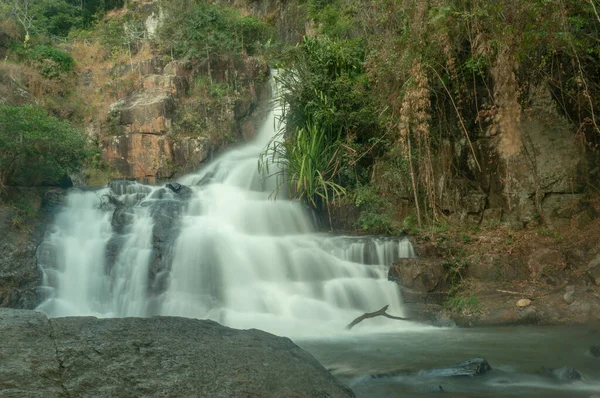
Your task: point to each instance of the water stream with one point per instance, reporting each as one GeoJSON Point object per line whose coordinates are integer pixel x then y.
{"type": "Point", "coordinates": [225, 249]}
{"type": "Point", "coordinates": [222, 249]}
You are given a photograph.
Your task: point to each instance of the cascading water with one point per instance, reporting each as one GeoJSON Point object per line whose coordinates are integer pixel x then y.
{"type": "Point", "coordinates": [221, 249]}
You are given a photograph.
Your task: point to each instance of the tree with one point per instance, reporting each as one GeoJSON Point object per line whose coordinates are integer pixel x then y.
{"type": "Point", "coordinates": [21, 11]}
{"type": "Point", "coordinates": [36, 148]}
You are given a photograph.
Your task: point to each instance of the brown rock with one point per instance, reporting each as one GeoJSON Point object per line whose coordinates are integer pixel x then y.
{"type": "Point", "coordinates": [175, 85]}
{"type": "Point", "coordinates": [420, 274]}
{"type": "Point", "coordinates": [147, 113]}
{"type": "Point", "coordinates": [546, 263]}
{"type": "Point", "coordinates": [146, 157]}
{"type": "Point", "coordinates": [11, 93]}
{"type": "Point", "coordinates": [523, 303]}
{"type": "Point", "coordinates": [593, 270]}
{"type": "Point", "coordinates": [189, 153]}
{"type": "Point", "coordinates": [495, 267]}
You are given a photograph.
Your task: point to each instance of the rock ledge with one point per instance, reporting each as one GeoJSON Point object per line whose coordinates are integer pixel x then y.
{"type": "Point", "coordinates": [161, 356]}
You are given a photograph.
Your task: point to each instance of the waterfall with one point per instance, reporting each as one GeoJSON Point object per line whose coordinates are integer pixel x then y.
{"type": "Point", "coordinates": [220, 247]}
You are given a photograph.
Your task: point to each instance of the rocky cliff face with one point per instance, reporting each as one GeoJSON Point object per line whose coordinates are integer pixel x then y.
{"type": "Point", "coordinates": [20, 276]}
{"type": "Point", "coordinates": [132, 357]}
{"type": "Point", "coordinates": [141, 142]}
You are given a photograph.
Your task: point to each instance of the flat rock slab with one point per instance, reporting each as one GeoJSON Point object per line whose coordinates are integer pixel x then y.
{"type": "Point", "coordinates": [152, 357]}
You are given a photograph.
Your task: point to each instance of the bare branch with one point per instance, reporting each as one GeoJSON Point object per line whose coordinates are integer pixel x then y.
{"type": "Point", "coordinates": [381, 312]}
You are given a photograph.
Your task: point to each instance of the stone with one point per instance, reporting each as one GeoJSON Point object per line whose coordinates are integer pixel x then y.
{"type": "Point", "coordinates": [21, 251]}
{"type": "Point", "coordinates": [462, 196]}
{"type": "Point", "coordinates": [183, 192]}
{"type": "Point", "coordinates": [546, 264]}
{"type": "Point", "coordinates": [593, 270]}
{"type": "Point", "coordinates": [595, 351]}
{"type": "Point", "coordinates": [420, 274]}
{"type": "Point", "coordinates": [472, 367]}
{"type": "Point", "coordinates": [11, 93]}
{"type": "Point", "coordinates": [161, 356]}
{"type": "Point", "coordinates": [147, 113]}
{"type": "Point", "coordinates": [174, 85]}
{"type": "Point", "coordinates": [491, 218]}
{"type": "Point", "coordinates": [191, 152]}
{"type": "Point", "coordinates": [145, 157]}
{"type": "Point", "coordinates": [568, 296]}
{"type": "Point", "coordinates": [566, 374]}
{"type": "Point", "coordinates": [562, 205]}
{"type": "Point", "coordinates": [523, 303]}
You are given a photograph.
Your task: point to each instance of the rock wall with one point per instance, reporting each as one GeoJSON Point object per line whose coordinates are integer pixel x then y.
{"type": "Point", "coordinates": [164, 356]}
{"type": "Point", "coordinates": [550, 170]}
{"type": "Point", "coordinates": [141, 142]}
{"type": "Point", "coordinates": [20, 276]}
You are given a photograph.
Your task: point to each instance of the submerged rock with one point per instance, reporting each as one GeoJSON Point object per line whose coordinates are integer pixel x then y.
{"type": "Point", "coordinates": [181, 190]}
{"type": "Point", "coordinates": [595, 351]}
{"type": "Point", "coordinates": [162, 356]}
{"type": "Point", "coordinates": [472, 367]}
{"type": "Point", "coordinates": [566, 374]}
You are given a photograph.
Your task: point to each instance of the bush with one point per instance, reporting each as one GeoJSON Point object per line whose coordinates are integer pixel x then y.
{"type": "Point", "coordinates": [50, 61]}
{"type": "Point", "coordinates": [36, 148]}
{"type": "Point", "coordinates": [203, 29]}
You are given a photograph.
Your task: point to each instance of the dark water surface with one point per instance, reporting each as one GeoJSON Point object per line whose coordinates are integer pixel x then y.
{"type": "Point", "coordinates": [519, 357]}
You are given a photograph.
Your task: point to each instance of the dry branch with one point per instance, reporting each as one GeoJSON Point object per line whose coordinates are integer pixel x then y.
{"type": "Point", "coordinates": [367, 315]}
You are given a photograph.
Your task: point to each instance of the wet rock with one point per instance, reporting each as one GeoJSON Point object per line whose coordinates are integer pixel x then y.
{"type": "Point", "coordinates": [122, 218]}
{"type": "Point", "coordinates": [472, 367]}
{"type": "Point", "coordinates": [566, 374]}
{"type": "Point", "coordinates": [420, 274]}
{"type": "Point", "coordinates": [162, 356]}
{"type": "Point", "coordinates": [182, 191]}
{"type": "Point", "coordinates": [433, 389]}
{"type": "Point", "coordinates": [21, 252]}
{"type": "Point", "coordinates": [595, 351]}
{"type": "Point", "coordinates": [523, 303]}
{"type": "Point", "coordinates": [568, 297]}
{"type": "Point", "coordinates": [190, 152]}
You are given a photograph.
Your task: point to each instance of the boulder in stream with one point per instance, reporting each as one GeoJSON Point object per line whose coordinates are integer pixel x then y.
{"type": "Point", "coordinates": [566, 374]}
{"type": "Point", "coordinates": [472, 367]}
{"type": "Point", "coordinates": [161, 356]}
{"type": "Point", "coordinates": [595, 351]}
{"type": "Point", "coordinates": [181, 190]}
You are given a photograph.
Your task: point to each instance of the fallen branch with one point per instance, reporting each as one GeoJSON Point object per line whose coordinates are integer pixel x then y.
{"type": "Point", "coordinates": [510, 292]}
{"type": "Point", "coordinates": [381, 312]}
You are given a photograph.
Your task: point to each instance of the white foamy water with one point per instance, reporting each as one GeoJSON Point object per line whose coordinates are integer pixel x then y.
{"type": "Point", "coordinates": [229, 253]}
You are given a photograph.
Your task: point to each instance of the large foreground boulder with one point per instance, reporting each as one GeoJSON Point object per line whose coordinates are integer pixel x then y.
{"type": "Point", "coordinates": [162, 356]}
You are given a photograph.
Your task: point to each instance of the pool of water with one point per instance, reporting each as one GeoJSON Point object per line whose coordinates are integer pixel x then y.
{"type": "Point", "coordinates": [520, 358]}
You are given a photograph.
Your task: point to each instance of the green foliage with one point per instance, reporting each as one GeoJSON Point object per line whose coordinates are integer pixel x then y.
{"type": "Point", "coordinates": [55, 17]}
{"type": "Point", "coordinates": [50, 61]}
{"type": "Point", "coordinates": [375, 211]}
{"type": "Point", "coordinates": [308, 162]}
{"type": "Point", "coordinates": [36, 148]}
{"type": "Point", "coordinates": [199, 30]}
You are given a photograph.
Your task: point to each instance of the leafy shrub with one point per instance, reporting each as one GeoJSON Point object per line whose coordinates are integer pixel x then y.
{"type": "Point", "coordinates": [200, 30]}
{"type": "Point", "coordinates": [50, 61]}
{"type": "Point", "coordinates": [376, 212]}
{"type": "Point", "coordinates": [308, 163]}
{"type": "Point", "coordinates": [36, 148]}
